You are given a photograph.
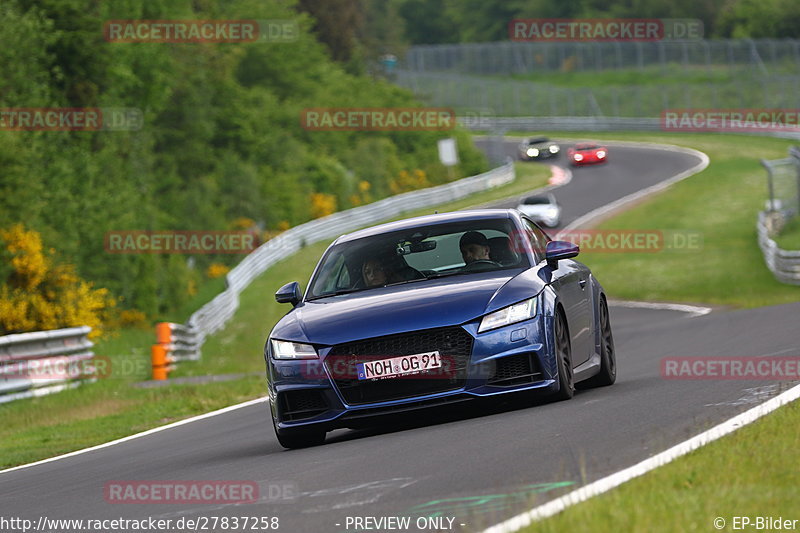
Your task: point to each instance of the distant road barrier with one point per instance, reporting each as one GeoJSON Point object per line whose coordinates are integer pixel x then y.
{"type": "Point", "coordinates": [783, 179]}
{"type": "Point", "coordinates": [44, 362]}
{"type": "Point", "coordinates": [784, 264]}
{"type": "Point", "coordinates": [215, 314]}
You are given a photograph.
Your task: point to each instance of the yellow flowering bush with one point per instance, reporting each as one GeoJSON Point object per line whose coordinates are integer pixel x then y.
{"type": "Point", "coordinates": [242, 223]}
{"type": "Point", "coordinates": [409, 181]}
{"type": "Point", "coordinates": [363, 196]}
{"type": "Point", "coordinates": [133, 318]}
{"type": "Point", "coordinates": [322, 204]}
{"type": "Point", "coordinates": [37, 295]}
{"type": "Point", "coordinates": [217, 270]}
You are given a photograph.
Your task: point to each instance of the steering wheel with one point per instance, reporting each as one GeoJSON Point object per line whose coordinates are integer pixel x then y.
{"type": "Point", "coordinates": [478, 263]}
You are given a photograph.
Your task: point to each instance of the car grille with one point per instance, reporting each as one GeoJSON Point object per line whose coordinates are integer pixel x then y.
{"type": "Point", "coordinates": [298, 404]}
{"type": "Point", "coordinates": [515, 370]}
{"type": "Point", "coordinates": [453, 344]}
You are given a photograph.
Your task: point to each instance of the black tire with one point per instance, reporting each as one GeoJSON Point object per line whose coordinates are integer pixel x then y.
{"type": "Point", "coordinates": [298, 438]}
{"type": "Point", "coordinates": [563, 352]}
{"type": "Point", "coordinates": [608, 355]}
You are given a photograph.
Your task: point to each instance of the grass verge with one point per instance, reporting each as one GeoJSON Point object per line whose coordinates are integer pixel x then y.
{"type": "Point", "coordinates": [38, 428]}
{"type": "Point", "coordinates": [691, 492]}
{"type": "Point", "coordinates": [789, 237]}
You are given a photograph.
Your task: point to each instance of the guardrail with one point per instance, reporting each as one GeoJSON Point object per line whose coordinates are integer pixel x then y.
{"type": "Point", "coordinates": [174, 343]}
{"type": "Point", "coordinates": [783, 181]}
{"type": "Point", "coordinates": [784, 264]}
{"type": "Point", "coordinates": [215, 314]}
{"type": "Point", "coordinates": [43, 362]}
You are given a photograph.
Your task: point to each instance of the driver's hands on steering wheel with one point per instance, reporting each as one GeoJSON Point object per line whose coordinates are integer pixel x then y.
{"type": "Point", "coordinates": [480, 262]}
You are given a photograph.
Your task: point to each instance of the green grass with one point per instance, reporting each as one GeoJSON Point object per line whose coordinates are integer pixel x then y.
{"type": "Point", "coordinates": [38, 428]}
{"type": "Point", "coordinates": [109, 409]}
{"type": "Point", "coordinates": [751, 472]}
{"type": "Point", "coordinates": [789, 237]}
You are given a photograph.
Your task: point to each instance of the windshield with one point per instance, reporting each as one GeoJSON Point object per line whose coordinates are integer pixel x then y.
{"type": "Point", "coordinates": [537, 140]}
{"type": "Point", "coordinates": [537, 200]}
{"type": "Point", "coordinates": [417, 254]}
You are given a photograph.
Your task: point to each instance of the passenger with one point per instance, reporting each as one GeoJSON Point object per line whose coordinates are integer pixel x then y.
{"type": "Point", "coordinates": [374, 272]}
{"type": "Point", "coordinates": [474, 247]}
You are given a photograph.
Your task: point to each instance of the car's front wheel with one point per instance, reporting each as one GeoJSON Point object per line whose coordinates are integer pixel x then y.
{"type": "Point", "coordinates": [298, 437]}
{"type": "Point", "coordinates": [563, 351]}
{"type": "Point", "coordinates": [608, 355]}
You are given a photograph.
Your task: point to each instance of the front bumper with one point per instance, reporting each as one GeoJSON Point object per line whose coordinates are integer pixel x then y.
{"type": "Point", "coordinates": [509, 359]}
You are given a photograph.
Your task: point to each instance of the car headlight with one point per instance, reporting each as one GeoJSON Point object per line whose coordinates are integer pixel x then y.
{"type": "Point", "coordinates": [293, 350]}
{"type": "Point", "coordinates": [509, 315]}
{"type": "Point", "coordinates": [601, 154]}
{"type": "Point", "coordinates": [532, 152]}
{"type": "Point", "coordinates": [553, 149]}
{"type": "Point", "coordinates": [578, 157]}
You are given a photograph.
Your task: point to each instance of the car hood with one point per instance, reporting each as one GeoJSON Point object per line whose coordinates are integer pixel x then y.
{"type": "Point", "coordinates": [413, 306]}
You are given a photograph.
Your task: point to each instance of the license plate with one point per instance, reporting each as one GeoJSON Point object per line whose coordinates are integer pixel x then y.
{"type": "Point", "coordinates": [398, 366]}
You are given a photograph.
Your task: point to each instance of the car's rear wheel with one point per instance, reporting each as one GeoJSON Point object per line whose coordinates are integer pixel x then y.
{"type": "Point", "coordinates": [608, 355]}
{"type": "Point", "coordinates": [298, 437]}
{"type": "Point", "coordinates": [563, 350]}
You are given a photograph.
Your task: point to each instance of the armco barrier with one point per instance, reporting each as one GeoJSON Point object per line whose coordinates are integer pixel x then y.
{"type": "Point", "coordinates": [174, 342]}
{"type": "Point", "coordinates": [783, 205]}
{"type": "Point", "coordinates": [784, 264]}
{"type": "Point", "coordinates": [43, 362]}
{"type": "Point", "coordinates": [215, 314]}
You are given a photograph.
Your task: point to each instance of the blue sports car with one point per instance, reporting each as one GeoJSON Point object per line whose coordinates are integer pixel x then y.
{"type": "Point", "coordinates": [430, 311]}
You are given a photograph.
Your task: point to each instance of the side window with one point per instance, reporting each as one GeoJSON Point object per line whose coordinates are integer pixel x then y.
{"type": "Point", "coordinates": [537, 238]}
{"type": "Point", "coordinates": [334, 275]}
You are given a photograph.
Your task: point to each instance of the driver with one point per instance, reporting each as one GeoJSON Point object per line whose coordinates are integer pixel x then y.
{"type": "Point", "coordinates": [474, 247]}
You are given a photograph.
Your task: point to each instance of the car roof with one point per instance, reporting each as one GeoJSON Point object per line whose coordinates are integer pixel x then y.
{"type": "Point", "coordinates": [586, 146]}
{"type": "Point", "coordinates": [427, 220]}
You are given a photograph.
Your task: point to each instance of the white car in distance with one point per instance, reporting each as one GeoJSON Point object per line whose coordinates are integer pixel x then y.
{"type": "Point", "coordinates": [543, 209]}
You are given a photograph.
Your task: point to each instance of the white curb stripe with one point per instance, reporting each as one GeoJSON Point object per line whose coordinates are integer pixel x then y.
{"type": "Point", "coordinates": [614, 480]}
{"type": "Point", "coordinates": [138, 435]}
{"type": "Point", "coordinates": [694, 310]}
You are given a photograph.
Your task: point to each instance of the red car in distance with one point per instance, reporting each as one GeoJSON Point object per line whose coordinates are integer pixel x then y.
{"type": "Point", "coordinates": [587, 154]}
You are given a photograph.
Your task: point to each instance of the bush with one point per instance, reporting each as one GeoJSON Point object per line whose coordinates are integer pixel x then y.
{"type": "Point", "coordinates": [37, 294]}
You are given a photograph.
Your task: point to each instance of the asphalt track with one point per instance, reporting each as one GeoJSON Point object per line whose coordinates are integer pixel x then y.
{"type": "Point", "coordinates": [479, 465]}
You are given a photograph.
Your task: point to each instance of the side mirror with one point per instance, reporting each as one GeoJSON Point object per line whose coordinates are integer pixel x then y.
{"type": "Point", "coordinates": [289, 293]}
{"type": "Point", "coordinates": [557, 250]}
